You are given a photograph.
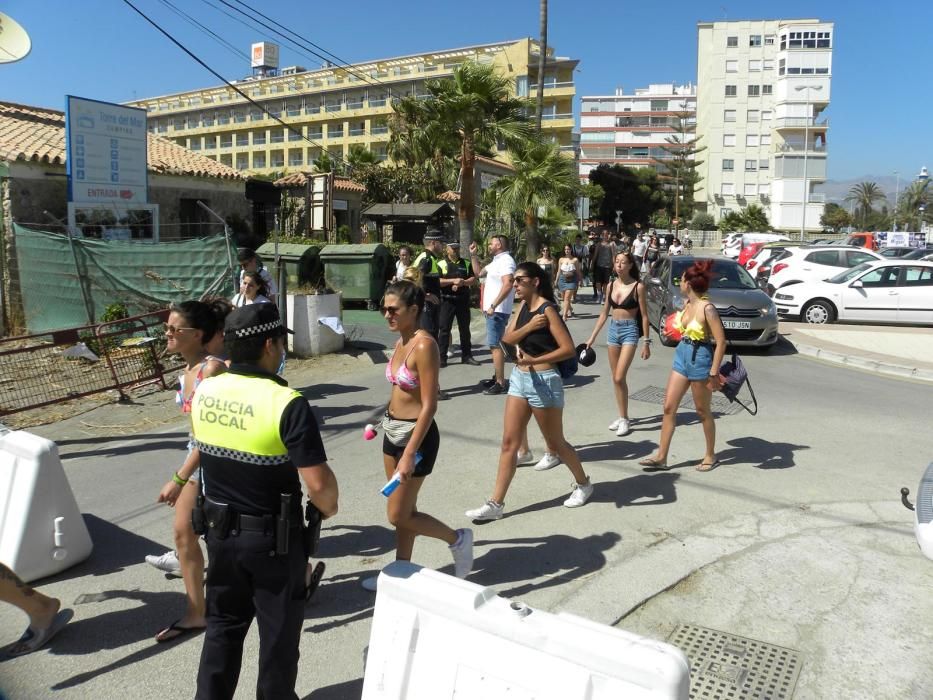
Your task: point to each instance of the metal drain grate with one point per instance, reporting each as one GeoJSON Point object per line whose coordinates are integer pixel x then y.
{"type": "Point", "coordinates": [655, 394]}
{"type": "Point", "coordinates": [723, 665]}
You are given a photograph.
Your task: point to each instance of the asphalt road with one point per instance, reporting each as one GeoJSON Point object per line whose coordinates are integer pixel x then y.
{"type": "Point", "coordinates": [798, 539]}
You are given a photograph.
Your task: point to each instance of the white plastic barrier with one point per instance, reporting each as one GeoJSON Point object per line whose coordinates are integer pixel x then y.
{"type": "Point", "coordinates": [923, 513]}
{"type": "Point", "coordinates": [41, 529]}
{"type": "Point", "coordinates": [436, 637]}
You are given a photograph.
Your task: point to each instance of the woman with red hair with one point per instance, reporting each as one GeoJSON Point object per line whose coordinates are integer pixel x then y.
{"type": "Point", "coordinates": [696, 364]}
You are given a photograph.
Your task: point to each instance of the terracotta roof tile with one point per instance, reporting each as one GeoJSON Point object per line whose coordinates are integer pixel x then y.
{"type": "Point", "coordinates": [300, 179]}
{"type": "Point", "coordinates": [449, 196]}
{"type": "Point", "coordinates": [38, 134]}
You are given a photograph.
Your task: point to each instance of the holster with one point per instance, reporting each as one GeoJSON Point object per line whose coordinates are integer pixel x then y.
{"type": "Point", "coordinates": [198, 521]}
{"type": "Point", "coordinates": [311, 533]}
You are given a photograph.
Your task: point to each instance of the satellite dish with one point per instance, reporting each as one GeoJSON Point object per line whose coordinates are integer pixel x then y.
{"type": "Point", "coordinates": [14, 41]}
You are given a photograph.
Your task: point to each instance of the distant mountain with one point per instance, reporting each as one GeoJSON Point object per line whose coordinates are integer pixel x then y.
{"type": "Point", "coordinates": [837, 190]}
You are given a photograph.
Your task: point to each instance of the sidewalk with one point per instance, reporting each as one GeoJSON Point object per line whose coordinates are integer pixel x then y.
{"type": "Point", "coordinates": [893, 350]}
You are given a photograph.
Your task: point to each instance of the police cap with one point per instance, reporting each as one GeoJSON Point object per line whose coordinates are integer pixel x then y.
{"type": "Point", "coordinates": [254, 321]}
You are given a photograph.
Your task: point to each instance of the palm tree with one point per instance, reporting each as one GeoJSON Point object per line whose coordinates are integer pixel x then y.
{"type": "Point", "coordinates": [864, 195]}
{"type": "Point", "coordinates": [477, 105]}
{"type": "Point", "coordinates": [324, 163]}
{"type": "Point", "coordinates": [909, 205]}
{"type": "Point", "coordinates": [359, 156]}
{"type": "Point", "coordinates": [542, 178]}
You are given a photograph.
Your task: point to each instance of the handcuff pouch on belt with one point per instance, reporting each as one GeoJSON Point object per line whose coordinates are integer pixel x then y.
{"type": "Point", "coordinates": [312, 530]}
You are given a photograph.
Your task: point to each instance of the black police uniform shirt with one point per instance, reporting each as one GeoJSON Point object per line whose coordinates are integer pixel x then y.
{"type": "Point", "coordinates": [454, 270]}
{"type": "Point", "coordinates": [253, 489]}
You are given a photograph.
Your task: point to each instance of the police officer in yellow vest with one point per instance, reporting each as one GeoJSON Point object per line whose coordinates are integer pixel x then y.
{"type": "Point", "coordinates": [256, 437]}
{"type": "Point", "coordinates": [430, 279]}
{"type": "Point", "coordinates": [456, 279]}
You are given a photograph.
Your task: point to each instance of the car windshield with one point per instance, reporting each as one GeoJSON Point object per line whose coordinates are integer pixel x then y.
{"type": "Point", "coordinates": [849, 274]}
{"type": "Point", "coordinates": [727, 274]}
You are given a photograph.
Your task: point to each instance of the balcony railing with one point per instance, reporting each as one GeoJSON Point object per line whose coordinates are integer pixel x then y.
{"type": "Point", "coordinates": [357, 132]}
{"type": "Point", "coordinates": [548, 117]}
{"type": "Point", "coordinates": [800, 123]}
{"type": "Point", "coordinates": [377, 103]}
{"type": "Point", "coordinates": [380, 129]}
{"type": "Point", "coordinates": [817, 198]}
{"type": "Point", "coordinates": [355, 105]}
{"type": "Point", "coordinates": [333, 108]}
{"type": "Point", "coordinates": [788, 148]}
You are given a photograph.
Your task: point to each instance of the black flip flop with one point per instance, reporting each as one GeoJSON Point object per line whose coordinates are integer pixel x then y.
{"type": "Point", "coordinates": [312, 581]}
{"type": "Point", "coordinates": [180, 632]}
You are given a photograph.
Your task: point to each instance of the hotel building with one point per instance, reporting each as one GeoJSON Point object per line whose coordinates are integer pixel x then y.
{"type": "Point", "coordinates": [336, 107]}
{"type": "Point", "coordinates": [763, 86]}
{"type": "Point", "coordinates": [631, 130]}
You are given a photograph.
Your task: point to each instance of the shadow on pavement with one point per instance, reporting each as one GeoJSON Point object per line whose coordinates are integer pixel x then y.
{"type": "Point", "coordinates": [639, 490]}
{"type": "Point", "coordinates": [556, 558]}
{"type": "Point", "coordinates": [761, 454]}
{"type": "Point", "coordinates": [321, 391]}
{"type": "Point", "coordinates": [615, 449]}
{"type": "Point", "coordinates": [108, 438]}
{"type": "Point", "coordinates": [340, 600]}
{"type": "Point", "coordinates": [340, 691]}
{"type": "Point", "coordinates": [580, 380]}
{"type": "Point", "coordinates": [324, 413]}
{"type": "Point", "coordinates": [356, 540]}
{"type": "Point", "coordinates": [164, 443]}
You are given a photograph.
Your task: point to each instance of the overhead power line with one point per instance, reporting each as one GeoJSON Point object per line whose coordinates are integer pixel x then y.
{"type": "Point", "coordinates": [207, 30]}
{"type": "Point", "coordinates": [228, 83]}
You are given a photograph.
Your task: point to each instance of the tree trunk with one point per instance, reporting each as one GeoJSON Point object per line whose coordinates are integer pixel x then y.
{"type": "Point", "coordinates": [531, 235]}
{"type": "Point", "coordinates": [542, 58]}
{"type": "Point", "coordinates": [466, 213]}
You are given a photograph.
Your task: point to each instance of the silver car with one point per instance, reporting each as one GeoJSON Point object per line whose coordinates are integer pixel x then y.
{"type": "Point", "coordinates": [747, 313]}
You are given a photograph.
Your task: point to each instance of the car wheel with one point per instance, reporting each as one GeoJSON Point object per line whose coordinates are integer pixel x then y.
{"type": "Point", "coordinates": [665, 341]}
{"type": "Point", "coordinates": [818, 311]}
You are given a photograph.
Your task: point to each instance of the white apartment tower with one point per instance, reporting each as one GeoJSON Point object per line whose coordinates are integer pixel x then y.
{"type": "Point", "coordinates": [762, 86]}
{"type": "Point", "coordinates": [631, 130]}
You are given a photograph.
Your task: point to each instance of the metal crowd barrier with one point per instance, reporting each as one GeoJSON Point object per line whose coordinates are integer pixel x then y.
{"type": "Point", "coordinates": [49, 368]}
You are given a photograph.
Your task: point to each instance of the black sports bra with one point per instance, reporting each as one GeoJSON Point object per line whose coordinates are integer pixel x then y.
{"type": "Point", "coordinates": [630, 302]}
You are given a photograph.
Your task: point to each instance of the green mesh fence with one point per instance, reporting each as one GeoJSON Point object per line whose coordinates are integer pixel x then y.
{"type": "Point", "coordinates": [63, 288]}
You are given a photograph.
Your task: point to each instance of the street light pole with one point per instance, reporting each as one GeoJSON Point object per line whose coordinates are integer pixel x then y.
{"type": "Point", "coordinates": [897, 191]}
{"type": "Point", "coordinates": [806, 151]}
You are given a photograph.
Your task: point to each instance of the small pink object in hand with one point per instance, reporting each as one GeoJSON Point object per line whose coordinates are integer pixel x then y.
{"type": "Point", "coordinates": [369, 432]}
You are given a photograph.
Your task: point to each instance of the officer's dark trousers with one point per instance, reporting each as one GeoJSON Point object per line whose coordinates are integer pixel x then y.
{"type": "Point", "coordinates": [243, 582]}
{"type": "Point", "coordinates": [458, 308]}
{"type": "Point", "coordinates": [429, 318]}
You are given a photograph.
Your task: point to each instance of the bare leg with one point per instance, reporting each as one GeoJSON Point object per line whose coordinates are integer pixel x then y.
{"type": "Point", "coordinates": [403, 514]}
{"type": "Point", "coordinates": [498, 362]}
{"type": "Point", "coordinates": [190, 559]}
{"type": "Point", "coordinates": [40, 608]}
{"type": "Point", "coordinates": [619, 374]}
{"type": "Point", "coordinates": [701, 398]}
{"type": "Point", "coordinates": [676, 388]}
{"type": "Point", "coordinates": [550, 421]}
{"type": "Point", "coordinates": [514, 424]}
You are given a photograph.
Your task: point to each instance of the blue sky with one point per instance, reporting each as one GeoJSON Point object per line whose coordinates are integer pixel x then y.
{"type": "Point", "coordinates": [881, 104]}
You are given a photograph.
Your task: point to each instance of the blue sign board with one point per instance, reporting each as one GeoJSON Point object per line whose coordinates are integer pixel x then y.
{"type": "Point", "coordinates": [106, 147]}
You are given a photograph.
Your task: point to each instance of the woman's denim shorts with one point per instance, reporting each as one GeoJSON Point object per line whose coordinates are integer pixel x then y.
{"type": "Point", "coordinates": [693, 361]}
{"type": "Point", "coordinates": [563, 285]}
{"type": "Point", "coordinates": [544, 389]}
{"type": "Point", "coordinates": [623, 332]}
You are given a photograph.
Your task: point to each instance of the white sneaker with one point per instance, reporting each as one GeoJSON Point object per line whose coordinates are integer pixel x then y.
{"type": "Point", "coordinates": [462, 552]}
{"type": "Point", "coordinates": [614, 425]}
{"type": "Point", "coordinates": [548, 461]}
{"type": "Point", "coordinates": [523, 460]}
{"type": "Point", "coordinates": [488, 511]}
{"type": "Point", "coordinates": [370, 584]}
{"type": "Point", "coordinates": [167, 562]}
{"type": "Point", "coordinates": [580, 495]}
{"type": "Point", "coordinates": [624, 427]}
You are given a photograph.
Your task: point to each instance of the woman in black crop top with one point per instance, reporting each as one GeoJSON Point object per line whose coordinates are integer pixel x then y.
{"type": "Point", "coordinates": [625, 303]}
{"type": "Point", "coordinates": [535, 388]}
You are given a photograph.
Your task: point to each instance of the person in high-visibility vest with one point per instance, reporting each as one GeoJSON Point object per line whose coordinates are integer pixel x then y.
{"type": "Point", "coordinates": [255, 437]}
{"type": "Point", "coordinates": [426, 262]}
{"type": "Point", "coordinates": [456, 279]}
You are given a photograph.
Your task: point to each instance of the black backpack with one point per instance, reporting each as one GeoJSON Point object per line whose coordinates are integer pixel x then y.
{"type": "Point", "coordinates": [566, 368]}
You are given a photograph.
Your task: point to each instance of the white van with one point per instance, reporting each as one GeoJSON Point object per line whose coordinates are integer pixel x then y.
{"type": "Point", "coordinates": [733, 243]}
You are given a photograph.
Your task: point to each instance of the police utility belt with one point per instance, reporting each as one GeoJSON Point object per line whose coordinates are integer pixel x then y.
{"type": "Point", "coordinates": [220, 521]}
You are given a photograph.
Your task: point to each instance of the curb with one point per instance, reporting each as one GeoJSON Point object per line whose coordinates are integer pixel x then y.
{"type": "Point", "coordinates": [858, 362]}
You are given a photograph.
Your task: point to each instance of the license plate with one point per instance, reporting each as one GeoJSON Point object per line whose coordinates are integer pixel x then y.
{"type": "Point", "coordinates": [737, 325]}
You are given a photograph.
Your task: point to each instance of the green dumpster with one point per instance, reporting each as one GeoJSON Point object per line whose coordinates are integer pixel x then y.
{"type": "Point", "coordinates": [303, 266]}
{"type": "Point", "coordinates": [359, 271]}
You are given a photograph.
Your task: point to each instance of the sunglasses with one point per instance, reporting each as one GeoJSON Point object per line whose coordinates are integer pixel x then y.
{"type": "Point", "coordinates": [391, 310]}
{"type": "Point", "coordinates": [172, 330]}
{"type": "Point", "coordinates": [521, 279]}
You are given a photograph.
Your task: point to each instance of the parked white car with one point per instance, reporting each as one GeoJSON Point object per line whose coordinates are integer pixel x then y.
{"type": "Point", "coordinates": [891, 291]}
{"type": "Point", "coordinates": [815, 263]}
{"type": "Point", "coordinates": [733, 243]}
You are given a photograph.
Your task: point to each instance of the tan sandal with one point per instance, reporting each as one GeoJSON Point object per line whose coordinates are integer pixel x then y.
{"type": "Point", "coordinates": [653, 462]}
{"type": "Point", "coordinates": [708, 466]}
